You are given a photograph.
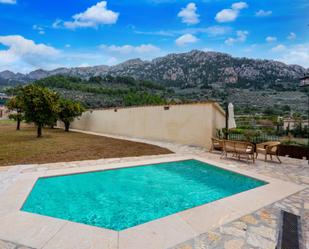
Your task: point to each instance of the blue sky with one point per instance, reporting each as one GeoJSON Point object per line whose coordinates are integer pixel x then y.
{"type": "Point", "coordinates": [49, 34]}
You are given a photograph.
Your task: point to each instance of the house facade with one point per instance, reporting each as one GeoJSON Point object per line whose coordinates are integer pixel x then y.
{"type": "Point", "coordinates": [4, 112]}
{"type": "Point", "coordinates": [304, 81]}
{"type": "Point", "coordinates": [292, 123]}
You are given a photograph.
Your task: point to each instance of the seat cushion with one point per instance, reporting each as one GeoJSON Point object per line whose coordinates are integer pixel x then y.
{"type": "Point", "coordinates": [247, 150]}
{"type": "Point", "coordinates": [260, 150]}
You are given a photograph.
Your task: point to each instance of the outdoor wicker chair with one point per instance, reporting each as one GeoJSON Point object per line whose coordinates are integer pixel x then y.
{"type": "Point", "coordinates": [268, 148]}
{"type": "Point", "coordinates": [239, 149]}
{"type": "Point", "coordinates": [216, 144]}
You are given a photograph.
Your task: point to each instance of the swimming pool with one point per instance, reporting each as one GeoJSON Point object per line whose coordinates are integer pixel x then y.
{"type": "Point", "coordinates": [122, 198]}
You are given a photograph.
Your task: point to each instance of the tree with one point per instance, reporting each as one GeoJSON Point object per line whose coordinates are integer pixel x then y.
{"type": "Point", "coordinates": [16, 104]}
{"type": "Point", "coordinates": [135, 99]}
{"type": "Point", "coordinates": [41, 106]}
{"type": "Point", "coordinates": [69, 110]}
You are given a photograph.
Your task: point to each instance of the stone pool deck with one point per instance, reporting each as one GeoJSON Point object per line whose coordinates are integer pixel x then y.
{"type": "Point", "coordinates": [258, 229]}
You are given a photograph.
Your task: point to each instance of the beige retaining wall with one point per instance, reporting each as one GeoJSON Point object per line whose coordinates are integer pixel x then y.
{"type": "Point", "coordinates": [191, 124]}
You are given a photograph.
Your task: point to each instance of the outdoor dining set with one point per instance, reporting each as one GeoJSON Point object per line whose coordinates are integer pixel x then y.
{"type": "Point", "coordinates": [247, 150]}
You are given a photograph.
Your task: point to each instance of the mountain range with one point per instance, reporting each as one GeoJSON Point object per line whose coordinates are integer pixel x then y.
{"type": "Point", "coordinates": [193, 68]}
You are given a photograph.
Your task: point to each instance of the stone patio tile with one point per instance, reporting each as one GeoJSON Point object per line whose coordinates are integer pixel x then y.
{"type": "Point", "coordinates": [234, 244]}
{"type": "Point", "coordinates": [260, 242]}
{"type": "Point", "coordinates": [74, 235]}
{"type": "Point", "coordinates": [29, 229]}
{"type": "Point", "coordinates": [264, 231]}
{"type": "Point", "coordinates": [235, 232]}
{"type": "Point", "coordinates": [15, 195]}
{"type": "Point", "coordinates": [156, 235]}
{"type": "Point", "coordinates": [203, 218]}
{"type": "Point", "coordinates": [7, 245]}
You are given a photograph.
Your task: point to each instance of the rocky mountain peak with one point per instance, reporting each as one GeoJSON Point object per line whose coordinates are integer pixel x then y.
{"type": "Point", "coordinates": [192, 68]}
{"type": "Point", "coordinates": [7, 74]}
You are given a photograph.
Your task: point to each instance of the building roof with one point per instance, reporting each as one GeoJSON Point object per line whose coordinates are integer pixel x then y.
{"type": "Point", "coordinates": [305, 77]}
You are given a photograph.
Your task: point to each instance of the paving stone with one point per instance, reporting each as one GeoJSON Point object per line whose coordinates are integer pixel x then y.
{"type": "Point", "coordinates": [185, 247]}
{"type": "Point", "coordinates": [200, 244]}
{"type": "Point", "coordinates": [260, 242]}
{"type": "Point", "coordinates": [249, 219]}
{"type": "Point", "coordinates": [266, 215]}
{"type": "Point", "coordinates": [213, 236]}
{"type": "Point", "coordinates": [240, 225]}
{"type": "Point", "coordinates": [233, 244]}
{"type": "Point", "coordinates": [233, 231]}
{"type": "Point", "coordinates": [265, 232]}
{"type": "Point", "coordinates": [207, 240]}
{"type": "Point", "coordinates": [6, 245]}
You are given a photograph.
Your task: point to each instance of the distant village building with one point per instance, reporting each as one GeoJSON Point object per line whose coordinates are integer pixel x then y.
{"type": "Point", "coordinates": [4, 112]}
{"type": "Point", "coordinates": [3, 98]}
{"type": "Point", "coordinates": [292, 123]}
{"type": "Point", "coordinates": [304, 81]}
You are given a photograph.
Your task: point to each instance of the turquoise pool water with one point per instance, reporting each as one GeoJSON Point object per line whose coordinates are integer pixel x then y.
{"type": "Point", "coordinates": [123, 198]}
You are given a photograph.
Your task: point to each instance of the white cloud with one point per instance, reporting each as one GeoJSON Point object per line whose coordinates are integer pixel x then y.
{"type": "Point", "coordinates": [24, 55]}
{"type": "Point", "coordinates": [271, 39]}
{"type": "Point", "coordinates": [159, 33]}
{"type": "Point", "coordinates": [295, 54]}
{"type": "Point", "coordinates": [207, 49]}
{"type": "Point", "coordinates": [40, 29]}
{"type": "Point", "coordinates": [292, 36]}
{"type": "Point", "coordinates": [21, 51]}
{"type": "Point", "coordinates": [93, 17]}
{"type": "Point", "coordinates": [84, 65]}
{"type": "Point", "coordinates": [217, 30]}
{"type": "Point", "coordinates": [230, 15]}
{"type": "Point", "coordinates": [278, 48]}
{"type": "Point", "coordinates": [112, 61]}
{"type": "Point", "coordinates": [8, 1]}
{"type": "Point", "coordinates": [227, 15]}
{"type": "Point", "coordinates": [57, 24]}
{"type": "Point", "coordinates": [262, 13]}
{"type": "Point", "coordinates": [211, 31]}
{"type": "Point", "coordinates": [129, 49]}
{"type": "Point", "coordinates": [186, 39]}
{"type": "Point", "coordinates": [189, 14]}
{"type": "Point", "coordinates": [21, 46]}
{"type": "Point", "coordinates": [239, 6]}
{"type": "Point", "coordinates": [241, 36]}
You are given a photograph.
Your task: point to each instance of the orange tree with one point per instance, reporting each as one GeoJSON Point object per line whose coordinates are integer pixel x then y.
{"type": "Point", "coordinates": [16, 104]}
{"type": "Point", "coordinates": [69, 110]}
{"type": "Point", "coordinates": [40, 105]}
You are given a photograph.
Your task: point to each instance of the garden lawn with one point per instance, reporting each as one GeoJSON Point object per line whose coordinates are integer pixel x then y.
{"type": "Point", "coordinates": [23, 147]}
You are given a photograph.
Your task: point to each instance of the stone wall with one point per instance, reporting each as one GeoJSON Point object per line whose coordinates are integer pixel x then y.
{"type": "Point", "coordinates": [190, 124]}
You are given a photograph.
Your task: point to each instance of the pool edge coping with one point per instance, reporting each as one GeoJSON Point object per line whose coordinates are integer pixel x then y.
{"type": "Point", "coordinates": [163, 232]}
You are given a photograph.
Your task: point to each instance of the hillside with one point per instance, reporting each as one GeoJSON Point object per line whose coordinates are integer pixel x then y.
{"type": "Point", "coordinates": [192, 68]}
{"type": "Point", "coordinates": [252, 85]}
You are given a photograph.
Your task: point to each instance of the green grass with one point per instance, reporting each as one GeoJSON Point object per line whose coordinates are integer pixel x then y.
{"type": "Point", "coordinates": [6, 122]}
{"type": "Point", "coordinates": [23, 147]}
